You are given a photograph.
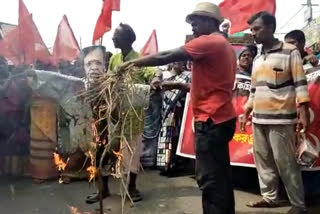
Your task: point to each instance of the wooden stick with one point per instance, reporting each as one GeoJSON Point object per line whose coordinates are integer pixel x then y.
{"type": "Point", "coordinates": [100, 190]}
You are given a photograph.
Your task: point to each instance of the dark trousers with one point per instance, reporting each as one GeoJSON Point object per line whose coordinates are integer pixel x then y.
{"type": "Point", "coordinates": [213, 170]}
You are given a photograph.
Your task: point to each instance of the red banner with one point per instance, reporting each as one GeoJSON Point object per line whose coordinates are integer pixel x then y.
{"type": "Point", "coordinates": [240, 147]}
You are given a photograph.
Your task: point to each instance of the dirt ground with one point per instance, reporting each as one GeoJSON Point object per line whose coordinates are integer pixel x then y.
{"type": "Point", "coordinates": [162, 195]}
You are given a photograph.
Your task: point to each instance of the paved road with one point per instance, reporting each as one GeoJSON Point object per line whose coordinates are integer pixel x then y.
{"type": "Point", "coordinates": [162, 195]}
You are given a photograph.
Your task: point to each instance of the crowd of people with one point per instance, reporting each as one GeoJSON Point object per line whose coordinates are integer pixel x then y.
{"type": "Point", "coordinates": [277, 106]}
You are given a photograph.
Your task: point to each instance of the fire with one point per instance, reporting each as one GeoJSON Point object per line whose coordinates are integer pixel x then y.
{"type": "Point", "coordinates": [92, 172]}
{"type": "Point", "coordinates": [92, 169]}
{"type": "Point", "coordinates": [61, 165]}
{"type": "Point", "coordinates": [119, 155]}
{"type": "Point", "coordinates": [95, 132]}
{"type": "Point", "coordinates": [75, 210]}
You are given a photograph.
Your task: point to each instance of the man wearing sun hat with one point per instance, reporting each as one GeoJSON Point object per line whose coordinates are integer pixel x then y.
{"type": "Point", "coordinates": [214, 68]}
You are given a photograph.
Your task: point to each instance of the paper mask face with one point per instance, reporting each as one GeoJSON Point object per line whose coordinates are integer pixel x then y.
{"type": "Point", "coordinates": [94, 63]}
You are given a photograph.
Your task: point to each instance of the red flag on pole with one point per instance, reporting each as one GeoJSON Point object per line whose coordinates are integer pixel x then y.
{"type": "Point", "coordinates": [104, 21]}
{"type": "Point", "coordinates": [32, 45]}
{"type": "Point", "coordinates": [151, 47]}
{"type": "Point", "coordinates": [31, 42]}
{"type": "Point", "coordinates": [239, 11]}
{"type": "Point", "coordinates": [10, 47]}
{"type": "Point", "coordinates": [66, 46]}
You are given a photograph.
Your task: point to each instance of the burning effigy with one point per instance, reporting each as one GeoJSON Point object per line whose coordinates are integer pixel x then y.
{"type": "Point", "coordinates": [118, 104]}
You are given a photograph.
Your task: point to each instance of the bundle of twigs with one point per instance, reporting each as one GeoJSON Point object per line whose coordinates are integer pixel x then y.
{"type": "Point", "coordinates": [115, 94]}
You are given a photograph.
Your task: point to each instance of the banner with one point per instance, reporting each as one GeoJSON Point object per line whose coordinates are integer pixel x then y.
{"type": "Point", "coordinates": [240, 148]}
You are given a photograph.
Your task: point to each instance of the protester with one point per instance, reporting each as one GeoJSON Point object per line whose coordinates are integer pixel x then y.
{"type": "Point", "coordinates": [151, 130]}
{"type": "Point", "coordinates": [278, 86]}
{"type": "Point", "coordinates": [297, 38]}
{"type": "Point", "coordinates": [64, 67]}
{"type": "Point", "coordinates": [241, 89]}
{"type": "Point", "coordinates": [246, 57]}
{"type": "Point", "coordinates": [15, 96]}
{"type": "Point", "coordinates": [214, 68]}
{"type": "Point", "coordinates": [172, 112]}
{"type": "Point", "coordinates": [123, 38]}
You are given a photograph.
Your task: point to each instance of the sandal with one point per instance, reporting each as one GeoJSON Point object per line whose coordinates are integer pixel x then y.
{"type": "Point", "coordinates": [94, 197]}
{"type": "Point", "coordinates": [262, 204]}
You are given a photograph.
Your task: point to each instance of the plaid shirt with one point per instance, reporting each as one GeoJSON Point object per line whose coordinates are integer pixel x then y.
{"type": "Point", "coordinates": [278, 85]}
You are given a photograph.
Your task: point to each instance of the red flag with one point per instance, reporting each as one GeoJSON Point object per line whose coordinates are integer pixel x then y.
{"type": "Point", "coordinates": [151, 47]}
{"type": "Point", "coordinates": [10, 47]}
{"type": "Point", "coordinates": [239, 11]}
{"type": "Point", "coordinates": [66, 46]}
{"type": "Point", "coordinates": [116, 5]}
{"type": "Point", "coordinates": [31, 42]}
{"type": "Point", "coordinates": [104, 21]}
{"type": "Point", "coordinates": [23, 11]}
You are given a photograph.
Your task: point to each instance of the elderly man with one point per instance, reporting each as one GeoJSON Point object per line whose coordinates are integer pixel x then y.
{"type": "Point", "coordinates": [278, 86]}
{"type": "Point", "coordinates": [214, 68]}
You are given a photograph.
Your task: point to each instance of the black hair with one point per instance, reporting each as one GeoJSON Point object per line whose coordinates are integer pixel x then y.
{"type": "Point", "coordinates": [296, 35]}
{"type": "Point", "coordinates": [128, 32]}
{"type": "Point", "coordinates": [253, 48]}
{"type": "Point", "coordinates": [246, 49]}
{"type": "Point", "coordinates": [267, 18]}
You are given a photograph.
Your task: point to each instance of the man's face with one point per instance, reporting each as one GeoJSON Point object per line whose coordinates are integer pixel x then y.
{"type": "Point", "coordinates": [94, 64]}
{"type": "Point", "coordinates": [199, 26]}
{"type": "Point", "coordinates": [178, 66]}
{"type": "Point", "coordinates": [246, 59]}
{"type": "Point", "coordinates": [260, 31]}
{"type": "Point", "coordinates": [118, 38]}
{"type": "Point", "coordinates": [295, 42]}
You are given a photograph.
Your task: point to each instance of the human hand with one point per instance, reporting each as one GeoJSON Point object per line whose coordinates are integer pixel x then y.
{"type": "Point", "coordinates": [312, 59]}
{"type": "Point", "coordinates": [169, 85]}
{"type": "Point", "coordinates": [243, 119]}
{"type": "Point", "coordinates": [156, 83]}
{"type": "Point", "coordinates": [126, 66]}
{"type": "Point", "coordinates": [243, 122]}
{"type": "Point", "coordinates": [303, 119]}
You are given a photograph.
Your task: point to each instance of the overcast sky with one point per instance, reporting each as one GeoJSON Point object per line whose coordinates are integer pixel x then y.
{"type": "Point", "coordinates": [166, 16]}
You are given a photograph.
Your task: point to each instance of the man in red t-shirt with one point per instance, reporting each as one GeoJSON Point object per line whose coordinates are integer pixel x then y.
{"type": "Point", "coordinates": [214, 68]}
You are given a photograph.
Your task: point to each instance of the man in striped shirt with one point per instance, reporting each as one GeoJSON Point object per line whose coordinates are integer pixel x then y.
{"type": "Point", "coordinates": [278, 88]}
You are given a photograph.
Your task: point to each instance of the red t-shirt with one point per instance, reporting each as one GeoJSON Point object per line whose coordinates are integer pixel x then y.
{"type": "Point", "coordinates": [213, 75]}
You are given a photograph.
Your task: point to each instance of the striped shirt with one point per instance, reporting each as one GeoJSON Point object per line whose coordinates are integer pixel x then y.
{"type": "Point", "coordinates": [278, 85]}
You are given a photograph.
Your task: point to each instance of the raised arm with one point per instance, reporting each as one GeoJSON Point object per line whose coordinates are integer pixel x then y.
{"type": "Point", "coordinates": [162, 58]}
